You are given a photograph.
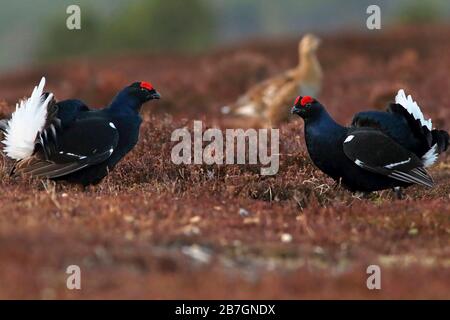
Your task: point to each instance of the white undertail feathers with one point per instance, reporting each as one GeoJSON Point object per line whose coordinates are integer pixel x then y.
{"type": "Point", "coordinates": [429, 158]}
{"type": "Point", "coordinates": [25, 123]}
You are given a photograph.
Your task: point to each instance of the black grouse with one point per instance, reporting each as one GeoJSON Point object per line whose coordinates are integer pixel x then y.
{"type": "Point", "coordinates": [379, 150]}
{"type": "Point", "coordinates": [67, 140]}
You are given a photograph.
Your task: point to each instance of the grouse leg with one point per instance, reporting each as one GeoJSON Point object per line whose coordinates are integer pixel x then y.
{"type": "Point", "coordinates": [398, 193]}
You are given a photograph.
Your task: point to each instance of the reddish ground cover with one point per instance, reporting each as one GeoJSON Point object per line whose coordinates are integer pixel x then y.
{"type": "Point", "coordinates": [156, 230]}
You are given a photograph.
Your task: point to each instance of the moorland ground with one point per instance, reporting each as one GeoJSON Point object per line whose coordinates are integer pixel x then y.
{"type": "Point", "coordinates": [153, 229]}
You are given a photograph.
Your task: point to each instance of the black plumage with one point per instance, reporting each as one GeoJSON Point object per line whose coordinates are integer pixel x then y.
{"type": "Point", "coordinates": [82, 145]}
{"type": "Point", "coordinates": [379, 150]}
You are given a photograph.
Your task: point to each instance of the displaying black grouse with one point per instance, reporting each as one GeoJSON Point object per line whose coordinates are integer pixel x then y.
{"type": "Point", "coordinates": [69, 141]}
{"type": "Point", "coordinates": [380, 150]}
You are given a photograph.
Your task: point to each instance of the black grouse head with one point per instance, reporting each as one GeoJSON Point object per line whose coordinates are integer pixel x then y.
{"type": "Point", "coordinates": [144, 91]}
{"type": "Point", "coordinates": [306, 107]}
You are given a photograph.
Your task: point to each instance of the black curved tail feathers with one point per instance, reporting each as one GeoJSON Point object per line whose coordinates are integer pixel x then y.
{"type": "Point", "coordinates": [441, 138]}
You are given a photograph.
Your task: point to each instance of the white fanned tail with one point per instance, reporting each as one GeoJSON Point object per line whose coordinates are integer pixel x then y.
{"type": "Point", "coordinates": [25, 123]}
{"type": "Point", "coordinates": [412, 107]}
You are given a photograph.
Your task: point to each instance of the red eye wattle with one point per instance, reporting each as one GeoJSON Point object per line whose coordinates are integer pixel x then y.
{"type": "Point", "coordinates": [305, 100]}
{"type": "Point", "coordinates": [146, 85]}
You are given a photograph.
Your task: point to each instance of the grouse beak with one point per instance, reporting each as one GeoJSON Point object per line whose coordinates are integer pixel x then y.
{"type": "Point", "coordinates": [295, 110]}
{"type": "Point", "coordinates": [154, 95]}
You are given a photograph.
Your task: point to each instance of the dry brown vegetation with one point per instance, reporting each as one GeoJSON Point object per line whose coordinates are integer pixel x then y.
{"type": "Point", "coordinates": [156, 230]}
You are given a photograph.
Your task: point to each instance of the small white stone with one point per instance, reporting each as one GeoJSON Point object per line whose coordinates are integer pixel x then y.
{"type": "Point", "coordinates": [195, 219]}
{"type": "Point", "coordinates": [225, 109]}
{"type": "Point", "coordinates": [243, 212]}
{"type": "Point", "coordinates": [197, 253]}
{"type": "Point", "coordinates": [286, 238]}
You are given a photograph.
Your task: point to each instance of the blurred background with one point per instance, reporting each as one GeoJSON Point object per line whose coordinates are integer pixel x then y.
{"type": "Point", "coordinates": [34, 31]}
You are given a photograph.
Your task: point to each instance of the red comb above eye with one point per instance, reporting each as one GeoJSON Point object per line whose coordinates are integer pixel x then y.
{"type": "Point", "coordinates": [297, 100]}
{"type": "Point", "coordinates": [305, 100]}
{"type": "Point", "coordinates": [146, 85]}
